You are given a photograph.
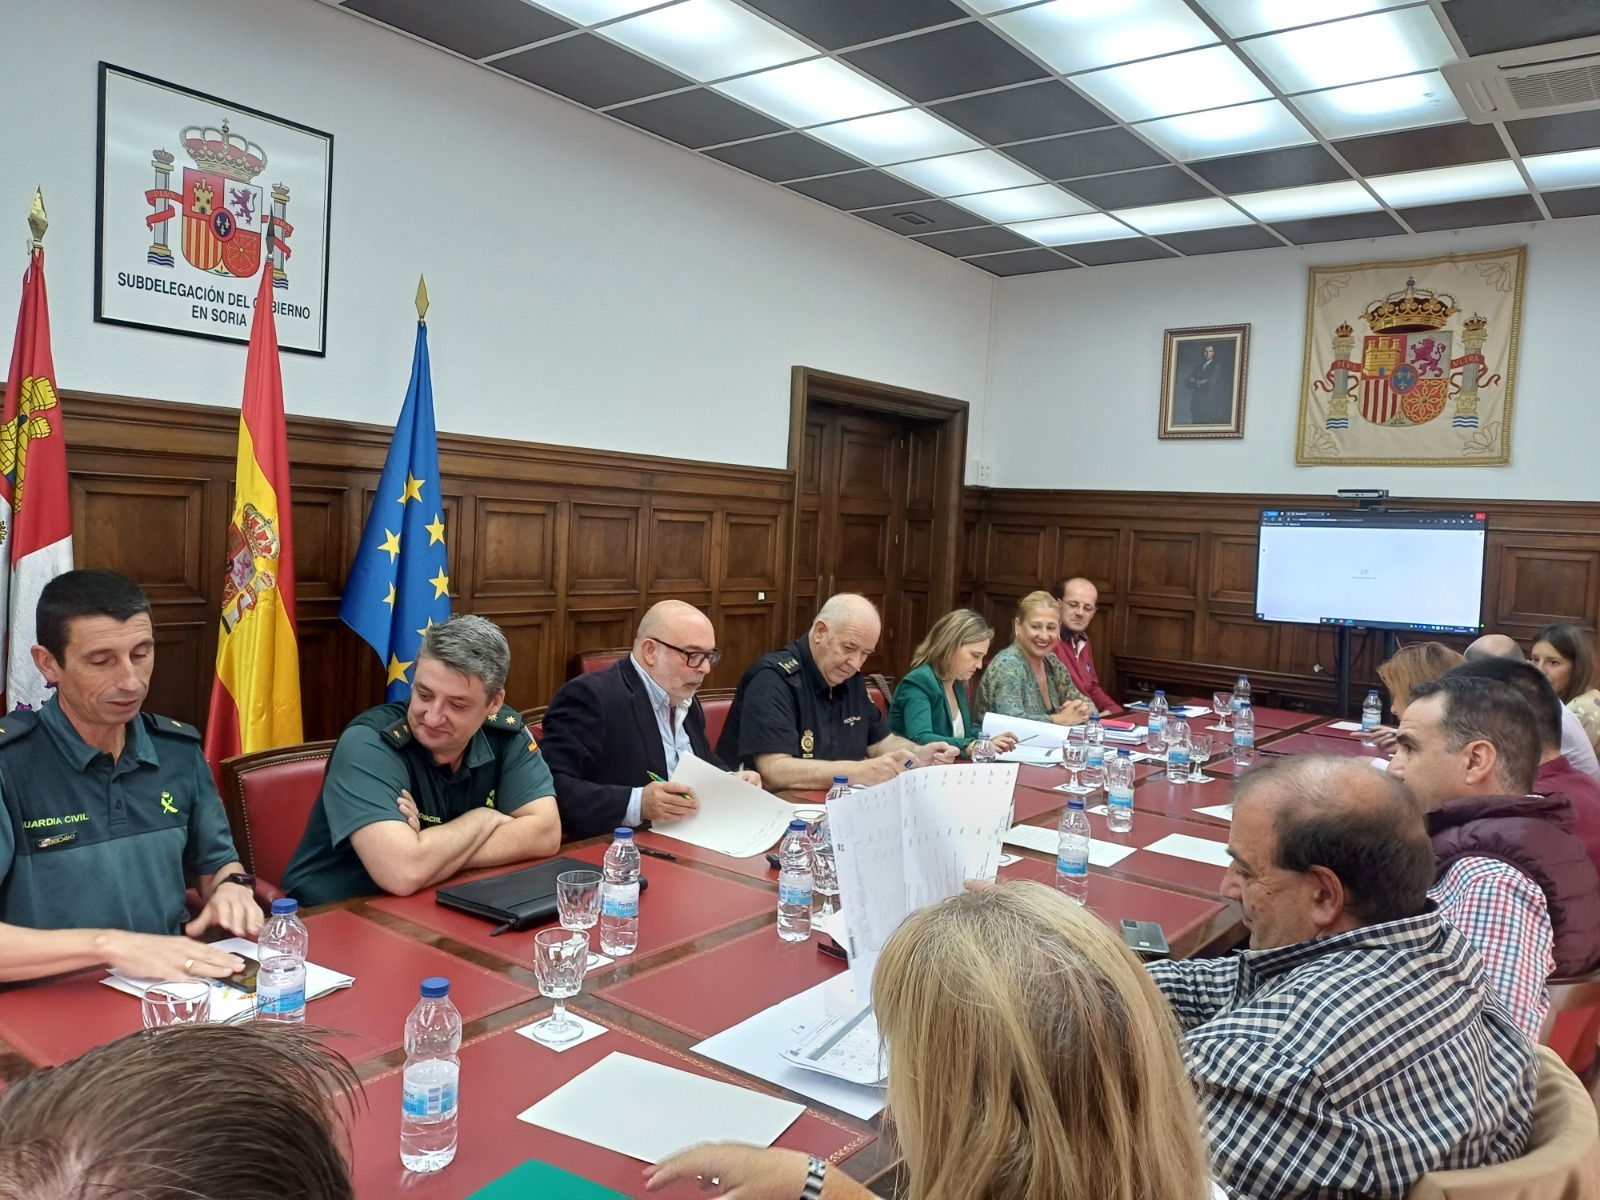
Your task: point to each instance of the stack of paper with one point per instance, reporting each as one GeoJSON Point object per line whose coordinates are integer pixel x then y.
{"type": "Point", "coordinates": [230, 1004]}
{"type": "Point", "coordinates": [734, 818]}
{"type": "Point", "coordinates": [847, 1048]}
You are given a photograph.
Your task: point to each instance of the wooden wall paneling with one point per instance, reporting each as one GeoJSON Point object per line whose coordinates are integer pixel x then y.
{"type": "Point", "coordinates": [147, 527]}
{"type": "Point", "coordinates": [1164, 563]}
{"type": "Point", "coordinates": [679, 558]}
{"type": "Point", "coordinates": [1015, 555]}
{"type": "Point", "coordinates": [514, 547]}
{"type": "Point", "coordinates": [1542, 581]}
{"type": "Point", "coordinates": [1161, 632]}
{"type": "Point", "coordinates": [534, 671]}
{"type": "Point", "coordinates": [603, 550]}
{"type": "Point", "coordinates": [752, 552]}
{"type": "Point", "coordinates": [1090, 553]}
{"type": "Point", "coordinates": [185, 666]}
{"type": "Point", "coordinates": [744, 632]}
{"type": "Point", "coordinates": [1233, 569]}
{"type": "Point", "coordinates": [1241, 641]}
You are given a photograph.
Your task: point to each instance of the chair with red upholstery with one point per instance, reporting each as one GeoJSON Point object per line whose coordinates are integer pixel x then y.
{"type": "Point", "coordinates": [269, 796]}
{"type": "Point", "coordinates": [717, 703]}
{"type": "Point", "coordinates": [1572, 1023]}
{"type": "Point", "coordinates": [533, 718]}
{"type": "Point", "coordinates": [881, 689]}
{"type": "Point", "coordinates": [586, 661]}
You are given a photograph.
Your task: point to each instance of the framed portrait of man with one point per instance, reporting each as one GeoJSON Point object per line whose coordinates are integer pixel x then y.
{"type": "Point", "coordinates": [1202, 382]}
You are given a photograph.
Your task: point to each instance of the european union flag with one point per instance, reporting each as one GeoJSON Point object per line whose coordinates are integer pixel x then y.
{"type": "Point", "coordinates": [398, 585]}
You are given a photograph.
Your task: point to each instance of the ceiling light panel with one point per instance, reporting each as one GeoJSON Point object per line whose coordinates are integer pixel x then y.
{"type": "Point", "coordinates": [1183, 216]}
{"type": "Point", "coordinates": [1569, 169]}
{"type": "Point", "coordinates": [1071, 231]}
{"type": "Point", "coordinates": [1241, 18]}
{"type": "Point", "coordinates": [1314, 200]}
{"type": "Point", "coordinates": [1383, 106]}
{"type": "Point", "coordinates": [994, 6]}
{"type": "Point", "coordinates": [810, 93]}
{"type": "Point", "coordinates": [1352, 51]}
{"type": "Point", "coordinates": [1242, 129]}
{"type": "Point", "coordinates": [589, 12]}
{"type": "Point", "coordinates": [961, 174]}
{"type": "Point", "coordinates": [707, 39]}
{"type": "Point", "coordinates": [1444, 185]}
{"type": "Point", "coordinates": [1178, 83]}
{"type": "Point", "coordinates": [1071, 36]}
{"type": "Point", "coordinates": [1023, 204]}
{"type": "Point", "coordinates": [895, 137]}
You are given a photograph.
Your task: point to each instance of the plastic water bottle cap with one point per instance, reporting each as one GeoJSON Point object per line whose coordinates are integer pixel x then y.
{"type": "Point", "coordinates": [841, 779]}
{"type": "Point", "coordinates": [622, 834]}
{"type": "Point", "coordinates": [1075, 802]}
{"type": "Point", "coordinates": [283, 907]}
{"type": "Point", "coordinates": [435, 986]}
{"type": "Point", "coordinates": [1122, 754]}
{"type": "Point", "coordinates": [797, 826]}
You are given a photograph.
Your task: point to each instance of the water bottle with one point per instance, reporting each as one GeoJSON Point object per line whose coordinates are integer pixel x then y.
{"type": "Point", "coordinates": [430, 1081]}
{"type": "Point", "coordinates": [1072, 859]}
{"type": "Point", "coordinates": [1244, 736]}
{"type": "Point", "coordinates": [619, 896]}
{"type": "Point", "coordinates": [1095, 758]}
{"type": "Point", "coordinates": [841, 787]}
{"type": "Point", "coordinates": [1241, 692]}
{"type": "Point", "coordinates": [1119, 793]}
{"type": "Point", "coordinates": [1158, 720]}
{"type": "Point", "coordinates": [1371, 712]}
{"type": "Point", "coordinates": [794, 884]}
{"type": "Point", "coordinates": [1177, 750]}
{"type": "Point", "coordinates": [281, 980]}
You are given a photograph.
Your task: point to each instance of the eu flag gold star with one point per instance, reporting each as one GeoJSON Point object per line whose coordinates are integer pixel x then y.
{"type": "Point", "coordinates": [436, 530]}
{"type": "Point", "coordinates": [397, 670]}
{"type": "Point", "coordinates": [413, 489]}
{"type": "Point", "coordinates": [423, 632]}
{"type": "Point", "coordinates": [391, 544]}
{"type": "Point", "coordinates": [441, 584]}
{"type": "Point", "coordinates": [389, 599]}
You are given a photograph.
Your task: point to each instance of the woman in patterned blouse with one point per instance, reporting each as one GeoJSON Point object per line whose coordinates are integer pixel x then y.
{"type": "Point", "coordinates": [1026, 679]}
{"type": "Point", "coordinates": [1565, 654]}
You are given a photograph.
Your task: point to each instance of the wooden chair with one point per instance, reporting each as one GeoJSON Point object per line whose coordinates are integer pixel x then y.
{"type": "Point", "coordinates": [269, 796]}
{"type": "Point", "coordinates": [586, 661]}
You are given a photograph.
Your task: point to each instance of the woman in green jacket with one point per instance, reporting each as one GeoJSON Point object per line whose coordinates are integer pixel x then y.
{"type": "Point", "coordinates": [930, 704]}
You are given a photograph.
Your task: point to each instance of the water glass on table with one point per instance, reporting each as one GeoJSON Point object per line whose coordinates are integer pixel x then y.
{"type": "Point", "coordinates": [1075, 755]}
{"type": "Point", "coordinates": [179, 1002]}
{"type": "Point", "coordinates": [1222, 705]}
{"type": "Point", "coordinates": [1200, 748]}
{"type": "Point", "coordinates": [560, 958]}
{"type": "Point", "coordinates": [578, 902]}
{"type": "Point", "coordinates": [982, 750]}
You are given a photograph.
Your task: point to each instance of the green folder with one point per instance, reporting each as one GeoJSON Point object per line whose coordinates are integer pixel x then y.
{"type": "Point", "coordinates": [535, 1179]}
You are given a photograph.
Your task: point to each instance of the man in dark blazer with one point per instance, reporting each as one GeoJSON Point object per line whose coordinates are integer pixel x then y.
{"type": "Point", "coordinates": [613, 738]}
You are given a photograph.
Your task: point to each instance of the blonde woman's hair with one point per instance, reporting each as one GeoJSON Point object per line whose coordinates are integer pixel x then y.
{"type": "Point", "coordinates": [1031, 1057]}
{"type": "Point", "coordinates": [1421, 662]}
{"type": "Point", "coordinates": [949, 633]}
{"type": "Point", "coordinates": [1037, 600]}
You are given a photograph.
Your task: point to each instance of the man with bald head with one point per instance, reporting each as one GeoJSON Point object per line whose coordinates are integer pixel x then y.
{"type": "Point", "coordinates": [613, 738]}
{"type": "Point", "coordinates": [1575, 745]}
{"type": "Point", "coordinates": [802, 715]}
{"type": "Point", "coordinates": [1356, 1044]}
{"type": "Point", "coordinates": [1079, 601]}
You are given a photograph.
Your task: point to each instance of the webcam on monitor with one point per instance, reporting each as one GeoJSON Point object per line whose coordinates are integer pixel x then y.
{"type": "Point", "coordinates": [1365, 497]}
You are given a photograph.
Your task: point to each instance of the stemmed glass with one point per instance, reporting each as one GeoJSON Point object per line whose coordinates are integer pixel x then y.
{"type": "Point", "coordinates": [1075, 754]}
{"type": "Point", "coordinates": [1222, 705]}
{"type": "Point", "coordinates": [1200, 746]}
{"type": "Point", "coordinates": [560, 958]}
{"type": "Point", "coordinates": [578, 901]}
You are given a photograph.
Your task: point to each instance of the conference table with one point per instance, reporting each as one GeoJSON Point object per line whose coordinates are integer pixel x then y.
{"type": "Point", "coordinates": [708, 958]}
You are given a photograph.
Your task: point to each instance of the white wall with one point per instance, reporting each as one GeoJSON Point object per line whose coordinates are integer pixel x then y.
{"type": "Point", "coordinates": [1077, 361]}
{"type": "Point", "coordinates": [590, 285]}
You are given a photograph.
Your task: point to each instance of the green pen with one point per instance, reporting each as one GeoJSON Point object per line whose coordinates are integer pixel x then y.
{"type": "Point", "coordinates": [655, 777]}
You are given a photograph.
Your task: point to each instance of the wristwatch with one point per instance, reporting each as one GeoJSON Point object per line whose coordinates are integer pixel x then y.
{"type": "Point", "coordinates": [816, 1168]}
{"type": "Point", "coordinates": [239, 877]}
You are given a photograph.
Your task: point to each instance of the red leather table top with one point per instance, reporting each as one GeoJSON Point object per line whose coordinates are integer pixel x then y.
{"type": "Point", "coordinates": [502, 1074]}
{"type": "Point", "coordinates": [680, 905]}
{"type": "Point", "coordinates": [755, 867]}
{"type": "Point", "coordinates": [714, 990]}
{"type": "Point", "coordinates": [54, 1021]}
{"type": "Point", "coordinates": [1181, 799]}
{"type": "Point", "coordinates": [1160, 869]}
{"type": "Point", "coordinates": [1311, 743]}
{"type": "Point", "coordinates": [1111, 899]}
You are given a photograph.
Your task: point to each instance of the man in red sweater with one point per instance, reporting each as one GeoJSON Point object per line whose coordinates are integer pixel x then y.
{"type": "Point", "coordinates": [1079, 599]}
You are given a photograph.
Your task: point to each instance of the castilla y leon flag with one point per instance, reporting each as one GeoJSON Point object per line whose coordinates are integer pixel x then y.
{"type": "Point", "coordinates": [35, 514]}
{"type": "Point", "coordinates": [255, 701]}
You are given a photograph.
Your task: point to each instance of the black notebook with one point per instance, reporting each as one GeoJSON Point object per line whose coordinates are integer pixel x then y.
{"type": "Point", "coordinates": [517, 899]}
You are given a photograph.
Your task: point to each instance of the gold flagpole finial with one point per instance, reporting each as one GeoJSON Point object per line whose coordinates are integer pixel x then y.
{"type": "Point", "coordinates": [37, 221]}
{"type": "Point", "coordinates": [422, 298]}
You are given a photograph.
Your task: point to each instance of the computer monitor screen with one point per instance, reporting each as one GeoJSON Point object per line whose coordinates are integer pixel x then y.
{"type": "Point", "coordinates": [1380, 570]}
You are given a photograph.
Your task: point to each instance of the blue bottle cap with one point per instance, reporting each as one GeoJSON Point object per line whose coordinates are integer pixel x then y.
{"type": "Point", "coordinates": [282, 907]}
{"type": "Point", "coordinates": [797, 826]}
{"type": "Point", "coordinates": [1122, 753]}
{"type": "Point", "coordinates": [622, 833]}
{"type": "Point", "coordinates": [1161, 691]}
{"type": "Point", "coordinates": [1075, 802]}
{"type": "Point", "coordinates": [841, 779]}
{"type": "Point", "coordinates": [435, 986]}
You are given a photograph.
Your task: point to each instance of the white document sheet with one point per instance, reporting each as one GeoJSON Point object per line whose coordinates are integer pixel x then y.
{"type": "Point", "coordinates": [1223, 812]}
{"type": "Point", "coordinates": [230, 1004]}
{"type": "Point", "coordinates": [1035, 735]}
{"type": "Point", "coordinates": [1345, 726]}
{"type": "Point", "coordinates": [1033, 757]}
{"type": "Point", "coordinates": [911, 842]}
{"type": "Point", "coordinates": [735, 818]}
{"type": "Point", "coordinates": [1048, 841]}
{"type": "Point", "coordinates": [846, 1048]}
{"type": "Point", "coordinates": [649, 1111]}
{"type": "Point", "coordinates": [1381, 763]}
{"type": "Point", "coordinates": [755, 1046]}
{"type": "Point", "coordinates": [1195, 849]}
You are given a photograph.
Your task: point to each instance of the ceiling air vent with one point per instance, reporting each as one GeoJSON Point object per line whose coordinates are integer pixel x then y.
{"type": "Point", "coordinates": [1538, 81]}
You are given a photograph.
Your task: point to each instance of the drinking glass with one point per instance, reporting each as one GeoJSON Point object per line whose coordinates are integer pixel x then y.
{"type": "Point", "coordinates": [578, 901]}
{"type": "Point", "coordinates": [824, 872]}
{"type": "Point", "coordinates": [560, 958]}
{"type": "Point", "coordinates": [1200, 746]}
{"type": "Point", "coordinates": [1222, 705]}
{"type": "Point", "coordinates": [1075, 754]}
{"type": "Point", "coordinates": [983, 750]}
{"type": "Point", "coordinates": [180, 1002]}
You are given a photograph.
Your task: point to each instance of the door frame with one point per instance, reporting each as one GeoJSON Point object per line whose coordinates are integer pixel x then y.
{"type": "Point", "coordinates": [808, 385]}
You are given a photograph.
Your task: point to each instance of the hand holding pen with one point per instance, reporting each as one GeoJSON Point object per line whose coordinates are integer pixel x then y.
{"type": "Point", "coordinates": [664, 800]}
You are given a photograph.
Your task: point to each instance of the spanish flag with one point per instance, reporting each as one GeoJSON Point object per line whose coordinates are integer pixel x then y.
{"type": "Point", "coordinates": [255, 701]}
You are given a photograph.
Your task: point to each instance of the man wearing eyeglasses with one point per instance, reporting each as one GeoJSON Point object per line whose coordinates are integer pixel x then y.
{"type": "Point", "coordinates": [1079, 600]}
{"type": "Point", "coordinates": [613, 738]}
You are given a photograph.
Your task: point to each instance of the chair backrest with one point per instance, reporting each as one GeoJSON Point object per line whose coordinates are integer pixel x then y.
{"type": "Point", "coordinates": [533, 718]}
{"type": "Point", "coordinates": [269, 796]}
{"type": "Point", "coordinates": [586, 661]}
{"type": "Point", "coordinates": [881, 689]}
{"type": "Point", "coordinates": [1562, 1161]}
{"type": "Point", "coordinates": [1572, 1023]}
{"type": "Point", "coordinates": [717, 703]}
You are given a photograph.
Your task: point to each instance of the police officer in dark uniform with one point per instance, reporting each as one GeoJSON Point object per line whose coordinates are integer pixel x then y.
{"type": "Point", "coordinates": [802, 715]}
{"type": "Point", "coordinates": [418, 791]}
{"type": "Point", "coordinates": [105, 809]}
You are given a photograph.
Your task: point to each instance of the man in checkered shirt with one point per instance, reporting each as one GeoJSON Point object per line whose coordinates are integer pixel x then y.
{"type": "Point", "coordinates": [1355, 1045]}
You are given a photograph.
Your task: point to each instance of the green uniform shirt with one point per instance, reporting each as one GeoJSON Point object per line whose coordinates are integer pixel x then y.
{"type": "Point", "coordinates": [376, 758]}
{"type": "Point", "coordinates": [91, 843]}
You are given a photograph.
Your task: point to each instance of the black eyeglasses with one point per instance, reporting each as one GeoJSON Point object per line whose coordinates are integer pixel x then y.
{"type": "Point", "coordinates": [695, 658]}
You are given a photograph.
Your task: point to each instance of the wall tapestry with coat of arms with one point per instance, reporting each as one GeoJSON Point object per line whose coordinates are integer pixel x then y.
{"type": "Point", "coordinates": [1412, 363]}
